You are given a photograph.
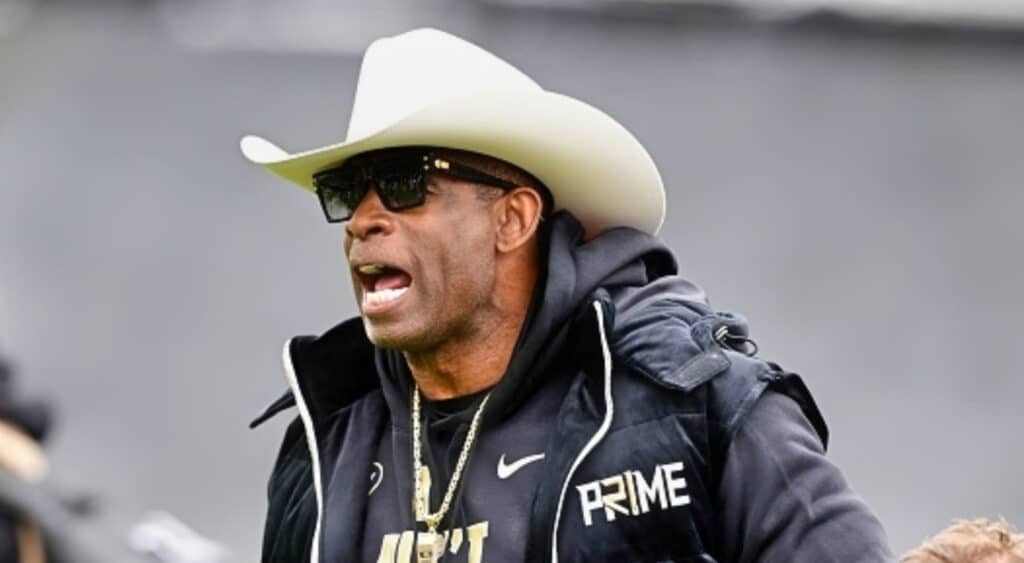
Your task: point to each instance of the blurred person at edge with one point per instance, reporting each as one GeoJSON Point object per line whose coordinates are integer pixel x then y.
{"type": "Point", "coordinates": [39, 524]}
{"type": "Point", "coordinates": [24, 423]}
{"type": "Point", "coordinates": [530, 378]}
{"type": "Point", "coordinates": [974, 541]}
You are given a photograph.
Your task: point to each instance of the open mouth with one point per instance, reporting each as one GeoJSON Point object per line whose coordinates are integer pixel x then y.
{"type": "Point", "coordinates": [382, 284]}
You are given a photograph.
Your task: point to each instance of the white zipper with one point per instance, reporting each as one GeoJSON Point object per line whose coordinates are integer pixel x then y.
{"type": "Point", "coordinates": [314, 454]}
{"type": "Point", "coordinates": [597, 437]}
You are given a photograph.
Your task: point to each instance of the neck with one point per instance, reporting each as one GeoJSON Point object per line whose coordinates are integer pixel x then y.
{"type": "Point", "coordinates": [466, 365]}
{"type": "Point", "coordinates": [477, 358]}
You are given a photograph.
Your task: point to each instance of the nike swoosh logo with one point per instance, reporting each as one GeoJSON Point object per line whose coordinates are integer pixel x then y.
{"type": "Point", "coordinates": [506, 471]}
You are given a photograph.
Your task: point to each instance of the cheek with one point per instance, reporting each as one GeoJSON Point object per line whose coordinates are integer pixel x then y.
{"type": "Point", "coordinates": [464, 270]}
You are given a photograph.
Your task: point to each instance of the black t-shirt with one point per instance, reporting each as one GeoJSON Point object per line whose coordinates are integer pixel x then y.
{"type": "Point", "coordinates": [489, 516]}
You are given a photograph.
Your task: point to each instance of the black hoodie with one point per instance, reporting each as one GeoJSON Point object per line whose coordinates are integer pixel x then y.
{"type": "Point", "coordinates": [522, 406]}
{"type": "Point", "coordinates": [619, 379]}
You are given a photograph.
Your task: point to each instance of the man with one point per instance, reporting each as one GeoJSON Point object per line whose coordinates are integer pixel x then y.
{"type": "Point", "coordinates": [530, 379]}
{"type": "Point", "coordinates": [971, 541]}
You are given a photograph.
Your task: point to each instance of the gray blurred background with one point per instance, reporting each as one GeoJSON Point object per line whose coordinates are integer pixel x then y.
{"type": "Point", "coordinates": [847, 178]}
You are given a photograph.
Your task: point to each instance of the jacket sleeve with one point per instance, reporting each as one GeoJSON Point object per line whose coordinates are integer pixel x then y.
{"type": "Point", "coordinates": [781, 500]}
{"type": "Point", "coordinates": [291, 502]}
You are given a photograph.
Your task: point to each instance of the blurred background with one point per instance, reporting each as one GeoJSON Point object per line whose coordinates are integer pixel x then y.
{"type": "Point", "coordinates": [846, 173]}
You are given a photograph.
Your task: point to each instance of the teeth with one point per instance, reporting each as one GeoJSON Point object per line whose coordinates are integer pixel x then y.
{"type": "Point", "coordinates": [383, 296]}
{"type": "Point", "coordinates": [371, 269]}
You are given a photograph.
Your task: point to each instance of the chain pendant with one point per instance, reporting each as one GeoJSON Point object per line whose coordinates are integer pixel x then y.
{"type": "Point", "coordinates": [429, 547]}
{"type": "Point", "coordinates": [430, 544]}
{"type": "Point", "coordinates": [422, 493]}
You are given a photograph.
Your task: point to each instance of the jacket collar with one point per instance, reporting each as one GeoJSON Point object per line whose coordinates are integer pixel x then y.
{"type": "Point", "coordinates": [332, 370]}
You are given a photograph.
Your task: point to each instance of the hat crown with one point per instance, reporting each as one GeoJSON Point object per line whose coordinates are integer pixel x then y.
{"type": "Point", "coordinates": [427, 87]}
{"type": "Point", "coordinates": [404, 74]}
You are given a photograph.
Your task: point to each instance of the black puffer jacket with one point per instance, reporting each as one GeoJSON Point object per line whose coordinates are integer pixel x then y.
{"type": "Point", "coordinates": [646, 453]}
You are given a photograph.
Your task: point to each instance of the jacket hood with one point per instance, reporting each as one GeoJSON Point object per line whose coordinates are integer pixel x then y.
{"type": "Point", "coordinates": [621, 261]}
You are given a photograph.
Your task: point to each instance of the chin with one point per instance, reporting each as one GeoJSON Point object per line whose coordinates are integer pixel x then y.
{"type": "Point", "coordinates": [394, 336]}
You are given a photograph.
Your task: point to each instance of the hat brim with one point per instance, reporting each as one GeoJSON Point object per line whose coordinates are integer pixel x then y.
{"type": "Point", "coordinates": [593, 166]}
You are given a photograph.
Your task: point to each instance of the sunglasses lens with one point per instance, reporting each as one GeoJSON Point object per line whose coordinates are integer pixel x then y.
{"type": "Point", "coordinates": [400, 190]}
{"type": "Point", "coordinates": [399, 182]}
{"type": "Point", "coordinates": [339, 195]}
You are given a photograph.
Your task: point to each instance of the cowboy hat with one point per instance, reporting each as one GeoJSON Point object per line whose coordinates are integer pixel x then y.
{"type": "Point", "coordinates": [427, 87]}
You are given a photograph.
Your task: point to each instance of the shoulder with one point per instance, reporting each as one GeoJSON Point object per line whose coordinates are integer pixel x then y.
{"type": "Point", "coordinates": [333, 427]}
{"type": "Point", "coordinates": [291, 503]}
{"type": "Point", "coordinates": [291, 499]}
{"type": "Point", "coordinates": [780, 495]}
{"type": "Point", "coordinates": [693, 352]}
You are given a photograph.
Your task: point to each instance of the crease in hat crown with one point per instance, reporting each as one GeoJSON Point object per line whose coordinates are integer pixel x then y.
{"type": "Point", "coordinates": [410, 72]}
{"type": "Point", "coordinates": [428, 87]}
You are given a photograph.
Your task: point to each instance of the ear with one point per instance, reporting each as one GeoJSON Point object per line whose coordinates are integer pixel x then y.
{"type": "Point", "coordinates": [517, 215]}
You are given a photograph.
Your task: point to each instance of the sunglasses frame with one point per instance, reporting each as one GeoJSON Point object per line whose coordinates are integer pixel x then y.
{"type": "Point", "coordinates": [367, 174]}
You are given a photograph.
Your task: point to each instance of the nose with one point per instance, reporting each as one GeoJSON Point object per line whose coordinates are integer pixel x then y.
{"type": "Point", "coordinates": [369, 218]}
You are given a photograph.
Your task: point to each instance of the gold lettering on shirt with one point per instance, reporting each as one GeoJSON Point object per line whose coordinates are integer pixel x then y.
{"type": "Point", "coordinates": [397, 548]}
{"type": "Point", "coordinates": [456, 541]}
{"type": "Point", "coordinates": [477, 534]}
{"type": "Point", "coordinates": [405, 547]}
{"type": "Point", "coordinates": [387, 548]}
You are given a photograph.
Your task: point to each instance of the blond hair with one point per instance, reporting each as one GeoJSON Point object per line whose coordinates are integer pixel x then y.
{"type": "Point", "coordinates": [971, 541]}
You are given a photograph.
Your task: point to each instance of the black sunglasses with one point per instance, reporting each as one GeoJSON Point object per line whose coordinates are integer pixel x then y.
{"type": "Point", "coordinates": [400, 181]}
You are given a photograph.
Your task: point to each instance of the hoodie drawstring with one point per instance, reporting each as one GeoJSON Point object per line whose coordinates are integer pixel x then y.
{"type": "Point", "coordinates": [601, 431]}
{"type": "Point", "coordinates": [311, 443]}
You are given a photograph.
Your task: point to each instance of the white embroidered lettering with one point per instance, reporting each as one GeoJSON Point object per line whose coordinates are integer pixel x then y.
{"type": "Point", "coordinates": [634, 510]}
{"type": "Point", "coordinates": [649, 493]}
{"type": "Point", "coordinates": [631, 494]}
{"type": "Point", "coordinates": [612, 500]}
{"type": "Point", "coordinates": [675, 484]}
{"type": "Point", "coordinates": [590, 500]}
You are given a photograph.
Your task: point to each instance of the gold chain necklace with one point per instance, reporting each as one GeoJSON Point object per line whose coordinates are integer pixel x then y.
{"type": "Point", "coordinates": [429, 545]}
